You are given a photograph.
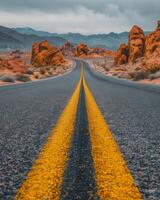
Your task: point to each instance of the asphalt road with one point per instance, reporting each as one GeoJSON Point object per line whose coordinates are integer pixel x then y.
{"type": "Point", "coordinates": [29, 111]}
{"type": "Point", "coordinates": [133, 113]}
{"type": "Point", "coordinates": [27, 114]}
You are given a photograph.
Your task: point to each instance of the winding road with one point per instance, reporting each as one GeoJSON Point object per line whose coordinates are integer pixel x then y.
{"type": "Point", "coordinates": [111, 138]}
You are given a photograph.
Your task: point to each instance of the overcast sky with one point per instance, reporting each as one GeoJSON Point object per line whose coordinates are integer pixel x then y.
{"type": "Point", "coordinates": [83, 16]}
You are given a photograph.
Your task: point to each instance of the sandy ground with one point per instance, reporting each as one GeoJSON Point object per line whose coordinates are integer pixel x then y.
{"type": "Point", "coordinates": [57, 72]}
{"type": "Point", "coordinates": [148, 81]}
{"type": "Point", "coordinates": [108, 63]}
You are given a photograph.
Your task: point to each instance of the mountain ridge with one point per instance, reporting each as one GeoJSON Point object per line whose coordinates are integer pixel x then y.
{"type": "Point", "coordinates": [11, 39]}
{"type": "Point", "coordinates": [24, 37]}
{"type": "Point", "coordinates": [109, 41]}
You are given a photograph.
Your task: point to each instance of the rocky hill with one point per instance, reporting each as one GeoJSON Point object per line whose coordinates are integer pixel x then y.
{"type": "Point", "coordinates": [11, 39]}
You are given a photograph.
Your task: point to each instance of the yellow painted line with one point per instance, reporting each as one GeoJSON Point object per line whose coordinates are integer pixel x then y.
{"type": "Point", "coordinates": [44, 180]}
{"type": "Point", "coordinates": [113, 178]}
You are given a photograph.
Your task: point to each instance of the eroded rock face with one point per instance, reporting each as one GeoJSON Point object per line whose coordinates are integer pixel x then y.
{"type": "Point", "coordinates": [121, 55]}
{"type": "Point", "coordinates": [152, 43]}
{"type": "Point", "coordinates": [143, 53]}
{"type": "Point", "coordinates": [136, 43]}
{"type": "Point", "coordinates": [43, 54]}
{"type": "Point", "coordinates": [152, 49]}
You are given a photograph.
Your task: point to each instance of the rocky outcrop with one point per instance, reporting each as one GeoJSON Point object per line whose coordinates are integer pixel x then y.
{"type": "Point", "coordinates": [68, 49]}
{"type": "Point", "coordinates": [121, 55]}
{"type": "Point", "coordinates": [145, 48]}
{"type": "Point", "coordinates": [152, 43]}
{"type": "Point", "coordinates": [99, 52]}
{"type": "Point", "coordinates": [134, 50]}
{"type": "Point", "coordinates": [152, 49]}
{"type": "Point", "coordinates": [43, 54]}
{"type": "Point", "coordinates": [136, 43]}
{"type": "Point", "coordinates": [82, 50]}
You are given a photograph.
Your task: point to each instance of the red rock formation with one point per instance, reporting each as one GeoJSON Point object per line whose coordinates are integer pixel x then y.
{"type": "Point", "coordinates": [136, 43]}
{"type": "Point", "coordinates": [82, 50]}
{"type": "Point", "coordinates": [99, 52]}
{"type": "Point", "coordinates": [43, 54]}
{"type": "Point", "coordinates": [152, 49]}
{"type": "Point", "coordinates": [152, 44]}
{"type": "Point", "coordinates": [68, 49]}
{"type": "Point", "coordinates": [121, 55]}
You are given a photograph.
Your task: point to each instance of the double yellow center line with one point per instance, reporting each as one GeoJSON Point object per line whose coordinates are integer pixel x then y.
{"type": "Point", "coordinates": [113, 179]}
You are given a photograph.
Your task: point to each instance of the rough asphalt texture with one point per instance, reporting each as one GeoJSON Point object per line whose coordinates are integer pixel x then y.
{"type": "Point", "coordinates": [79, 179]}
{"type": "Point", "coordinates": [133, 113]}
{"type": "Point", "coordinates": [28, 112]}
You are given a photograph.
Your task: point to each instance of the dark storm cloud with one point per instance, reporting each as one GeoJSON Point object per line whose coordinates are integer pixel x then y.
{"type": "Point", "coordinates": [143, 7]}
{"type": "Point", "coordinates": [142, 12]}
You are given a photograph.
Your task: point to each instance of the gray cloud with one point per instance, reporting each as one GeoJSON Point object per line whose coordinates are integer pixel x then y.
{"type": "Point", "coordinates": [81, 15]}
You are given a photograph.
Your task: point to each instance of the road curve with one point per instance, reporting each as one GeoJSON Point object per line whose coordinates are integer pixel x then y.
{"type": "Point", "coordinates": [29, 111]}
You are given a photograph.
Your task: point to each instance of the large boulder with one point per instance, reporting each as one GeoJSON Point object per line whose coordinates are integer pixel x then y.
{"type": "Point", "coordinates": [136, 43]}
{"type": "Point", "coordinates": [121, 55]}
{"type": "Point", "coordinates": [43, 54]}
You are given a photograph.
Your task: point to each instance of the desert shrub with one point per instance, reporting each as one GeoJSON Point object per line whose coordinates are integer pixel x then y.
{"type": "Point", "coordinates": [36, 75]}
{"type": "Point", "coordinates": [42, 71]}
{"type": "Point", "coordinates": [23, 77]}
{"type": "Point", "coordinates": [154, 76]}
{"type": "Point", "coordinates": [103, 65]}
{"type": "Point", "coordinates": [7, 78]}
{"type": "Point", "coordinates": [138, 75]}
{"type": "Point", "coordinates": [154, 69]}
{"type": "Point", "coordinates": [47, 68]}
{"type": "Point", "coordinates": [107, 68]}
{"type": "Point", "coordinates": [50, 73]}
{"type": "Point", "coordinates": [29, 71]}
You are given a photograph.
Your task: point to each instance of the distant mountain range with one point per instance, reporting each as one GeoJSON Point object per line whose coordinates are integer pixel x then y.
{"type": "Point", "coordinates": [12, 39]}
{"type": "Point", "coordinates": [22, 38]}
{"type": "Point", "coordinates": [108, 41]}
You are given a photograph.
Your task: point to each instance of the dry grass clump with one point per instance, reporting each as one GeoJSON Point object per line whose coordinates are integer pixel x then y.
{"type": "Point", "coordinates": [7, 78]}
{"type": "Point", "coordinates": [23, 77]}
{"type": "Point", "coordinates": [42, 70]}
{"type": "Point", "coordinates": [138, 75]}
{"type": "Point", "coordinates": [154, 75]}
{"type": "Point", "coordinates": [36, 75]}
{"type": "Point", "coordinates": [29, 71]}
